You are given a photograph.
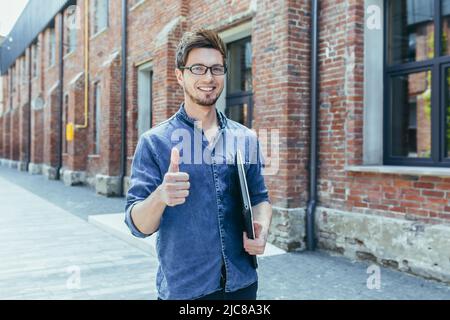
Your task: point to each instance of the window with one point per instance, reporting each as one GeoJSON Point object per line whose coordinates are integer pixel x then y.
{"type": "Point", "coordinates": [51, 47]}
{"type": "Point", "coordinates": [239, 98]}
{"type": "Point", "coordinates": [100, 19]}
{"type": "Point", "coordinates": [11, 85]}
{"type": "Point", "coordinates": [24, 70]}
{"type": "Point", "coordinates": [65, 119]}
{"type": "Point", "coordinates": [13, 80]}
{"type": "Point", "coordinates": [35, 62]}
{"type": "Point", "coordinates": [70, 34]}
{"type": "Point", "coordinates": [97, 117]}
{"type": "Point", "coordinates": [417, 83]}
{"type": "Point", "coordinates": [145, 88]}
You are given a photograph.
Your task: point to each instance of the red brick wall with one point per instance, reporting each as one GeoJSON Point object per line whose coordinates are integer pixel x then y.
{"type": "Point", "coordinates": [37, 134]}
{"type": "Point", "coordinates": [15, 142]}
{"type": "Point", "coordinates": [281, 92]}
{"type": "Point", "coordinates": [149, 41]}
{"type": "Point", "coordinates": [341, 126]}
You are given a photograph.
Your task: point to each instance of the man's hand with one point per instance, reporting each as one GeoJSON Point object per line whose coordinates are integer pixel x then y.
{"type": "Point", "coordinates": [175, 187]}
{"type": "Point", "coordinates": [258, 245]}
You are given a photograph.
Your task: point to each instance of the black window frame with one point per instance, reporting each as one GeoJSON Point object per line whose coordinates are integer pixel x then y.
{"type": "Point", "coordinates": [235, 99]}
{"type": "Point", "coordinates": [436, 66]}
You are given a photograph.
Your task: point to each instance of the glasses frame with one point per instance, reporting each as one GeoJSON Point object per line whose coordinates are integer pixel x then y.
{"type": "Point", "coordinates": [206, 70]}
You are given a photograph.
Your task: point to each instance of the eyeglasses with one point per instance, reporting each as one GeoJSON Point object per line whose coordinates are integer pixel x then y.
{"type": "Point", "coordinates": [200, 69]}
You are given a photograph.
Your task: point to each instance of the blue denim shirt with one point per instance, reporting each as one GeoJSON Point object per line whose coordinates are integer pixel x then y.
{"type": "Point", "coordinates": [197, 237]}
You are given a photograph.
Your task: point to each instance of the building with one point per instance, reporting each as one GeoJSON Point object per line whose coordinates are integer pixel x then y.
{"type": "Point", "coordinates": [379, 94]}
{"type": "Point", "coordinates": [1, 83]}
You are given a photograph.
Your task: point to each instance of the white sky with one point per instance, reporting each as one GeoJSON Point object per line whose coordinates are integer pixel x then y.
{"type": "Point", "coordinates": [10, 11]}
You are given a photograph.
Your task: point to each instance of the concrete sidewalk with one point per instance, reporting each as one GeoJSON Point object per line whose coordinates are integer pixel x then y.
{"type": "Point", "coordinates": [50, 252]}
{"type": "Point", "coordinates": [114, 224]}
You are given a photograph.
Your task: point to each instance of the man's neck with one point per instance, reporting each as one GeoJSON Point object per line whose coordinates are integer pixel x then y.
{"type": "Point", "coordinates": [207, 115]}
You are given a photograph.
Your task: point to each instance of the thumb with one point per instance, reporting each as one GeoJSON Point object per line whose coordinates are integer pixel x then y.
{"type": "Point", "coordinates": [174, 161]}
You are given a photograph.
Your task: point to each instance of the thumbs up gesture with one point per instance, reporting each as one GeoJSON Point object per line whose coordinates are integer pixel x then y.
{"type": "Point", "coordinates": [175, 187]}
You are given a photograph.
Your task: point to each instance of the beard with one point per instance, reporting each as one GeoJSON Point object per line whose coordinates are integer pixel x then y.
{"type": "Point", "coordinates": [209, 101]}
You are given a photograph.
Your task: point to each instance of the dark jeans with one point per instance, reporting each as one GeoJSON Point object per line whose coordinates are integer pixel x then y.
{"type": "Point", "coordinates": [247, 293]}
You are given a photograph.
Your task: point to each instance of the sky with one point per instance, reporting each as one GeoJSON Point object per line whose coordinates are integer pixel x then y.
{"type": "Point", "coordinates": [9, 13]}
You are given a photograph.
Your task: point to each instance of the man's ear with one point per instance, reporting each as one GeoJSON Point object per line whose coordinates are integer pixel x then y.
{"type": "Point", "coordinates": [179, 75]}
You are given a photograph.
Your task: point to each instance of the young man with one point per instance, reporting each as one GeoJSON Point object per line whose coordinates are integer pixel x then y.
{"type": "Point", "coordinates": [195, 205]}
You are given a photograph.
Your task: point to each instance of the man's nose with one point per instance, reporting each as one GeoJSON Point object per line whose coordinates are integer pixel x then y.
{"type": "Point", "coordinates": [209, 73]}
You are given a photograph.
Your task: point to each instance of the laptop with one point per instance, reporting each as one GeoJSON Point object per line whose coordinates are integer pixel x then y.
{"type": "Point", "coordinates": [246, 204]}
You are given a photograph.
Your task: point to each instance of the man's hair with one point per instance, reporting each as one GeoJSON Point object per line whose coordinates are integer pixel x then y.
{"type": "Point", "coordinates": [201, 38]}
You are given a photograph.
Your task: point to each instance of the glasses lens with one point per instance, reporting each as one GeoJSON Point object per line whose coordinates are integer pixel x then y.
{"type": "Point", "coordinates": [198, 69]}
{"type": "Point", "coordinates": [218, 70]}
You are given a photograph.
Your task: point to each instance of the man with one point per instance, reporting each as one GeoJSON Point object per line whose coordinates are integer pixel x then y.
{"type": "Point", "coordinates": [195, 205]}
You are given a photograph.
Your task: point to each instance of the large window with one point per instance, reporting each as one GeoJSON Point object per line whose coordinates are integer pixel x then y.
{"type": "Point", "coordinates": [145, 92]}
{"type": "Point", "coordinates": [35, 60]}
{"type": "Point", "coordinates": [239, 99]}
{"type": "Point", "coordinates": [100, 18]}
{"type": "Point", "coordinates": [51, 47]}
{"type": "Point", "coordinates": [24, 68]}
{"type": "Point", "coordinates": [97, 110]}
{"type": "Point", "coordinates": [417, 82]}
{"type": "Point", "coordinates": [70, 33]}
{"type": "Point", "coordinates": [65, 120]}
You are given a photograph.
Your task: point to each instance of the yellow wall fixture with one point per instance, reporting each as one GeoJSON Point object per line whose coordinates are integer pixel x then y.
{"type": "Point", "coordinates": [69, 132]}
{"type": "Point", "coordinates": [86, 66]}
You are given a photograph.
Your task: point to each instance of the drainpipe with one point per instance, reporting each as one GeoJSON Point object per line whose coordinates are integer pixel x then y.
{"type": "Point", "coordinates": [29, 112]}
{"type": "Point", "coordinates": [312, 201]}
{"type": "Point", "coordinates": [61, 95]}
{"type": "Point", "coordinates": [123, 94]}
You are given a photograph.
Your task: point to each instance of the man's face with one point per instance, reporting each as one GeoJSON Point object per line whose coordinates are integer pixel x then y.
{"type": "Point", "coordinates": [203, 90]}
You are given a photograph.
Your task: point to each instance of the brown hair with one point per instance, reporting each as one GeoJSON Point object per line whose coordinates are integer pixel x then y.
{"type": "Point", "coordinates": [201, 38]}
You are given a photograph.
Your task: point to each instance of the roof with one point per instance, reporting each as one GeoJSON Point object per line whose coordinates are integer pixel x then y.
{"type": "Point", "coordinates": [35, 18]}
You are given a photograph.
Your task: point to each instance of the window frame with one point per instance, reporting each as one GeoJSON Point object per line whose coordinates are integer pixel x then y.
{"type": "Point", "coordinates": [51, 47]}
{"type": "Point", "coordinates": [96, 16]}
{"type": "Point", "coordinates": [97, 117]}
{"type": "Point", "coordinates": [70, 35]}
{"type": "Point", "coordinates": [241, 97]}
{"type": "Point", "coordinates": [35, 60]}
{"type": "Point", "coordinates": [65, 112]}
{"type": "Point", "coordinates": [437, 67]}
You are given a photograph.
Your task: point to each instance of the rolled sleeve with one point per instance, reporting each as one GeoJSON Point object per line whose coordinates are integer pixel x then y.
{"type": "Point", "coordinates": [129, 222]}
{"type": "Point", "coordinates": [255, 179]}
{"type": "Point", "coordinates": [145, 178]}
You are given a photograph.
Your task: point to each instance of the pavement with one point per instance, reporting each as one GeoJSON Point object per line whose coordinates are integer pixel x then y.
{"type": "Point", "coordinates": [64, 243]}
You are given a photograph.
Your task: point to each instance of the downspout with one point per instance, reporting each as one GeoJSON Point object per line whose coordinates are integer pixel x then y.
{"type": "Point", "coordinates": [86, 67]}
{"type": "Point", "coordinates": [123, 96]}
{"type": "Point", "coordinates": [312, 201]}
{"type": "Point", "coordinates": [29, 111]}
{"type": "Point", "coordinates": [61, 95]}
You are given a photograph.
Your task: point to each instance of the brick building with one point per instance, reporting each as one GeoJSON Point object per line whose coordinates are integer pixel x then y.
{"type": "Point", "coordinates": [383, 131]}
{"type": "Point", "coordinates": [1, 84]}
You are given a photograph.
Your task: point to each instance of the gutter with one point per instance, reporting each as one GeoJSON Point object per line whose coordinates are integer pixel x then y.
{"type": "Point", "coordinates": [61, 96]}
{"type": "Point", "coordinates": [313, 164]}
{"type": "Point", "coordinates": [123, 97]}
{"type": "Point", "coordinates": [29, 112]}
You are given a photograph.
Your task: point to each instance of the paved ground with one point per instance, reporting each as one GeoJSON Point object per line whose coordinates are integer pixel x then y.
{"type": "Point", "coordinates": [46, 242]}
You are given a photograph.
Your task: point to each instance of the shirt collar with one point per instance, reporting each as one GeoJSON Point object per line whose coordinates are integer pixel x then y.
{"type": "Point", "coordinates": [182, 114]}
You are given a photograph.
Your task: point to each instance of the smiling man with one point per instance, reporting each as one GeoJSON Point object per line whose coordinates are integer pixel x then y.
{"type": "Point", "coordinates": [196, 206]}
